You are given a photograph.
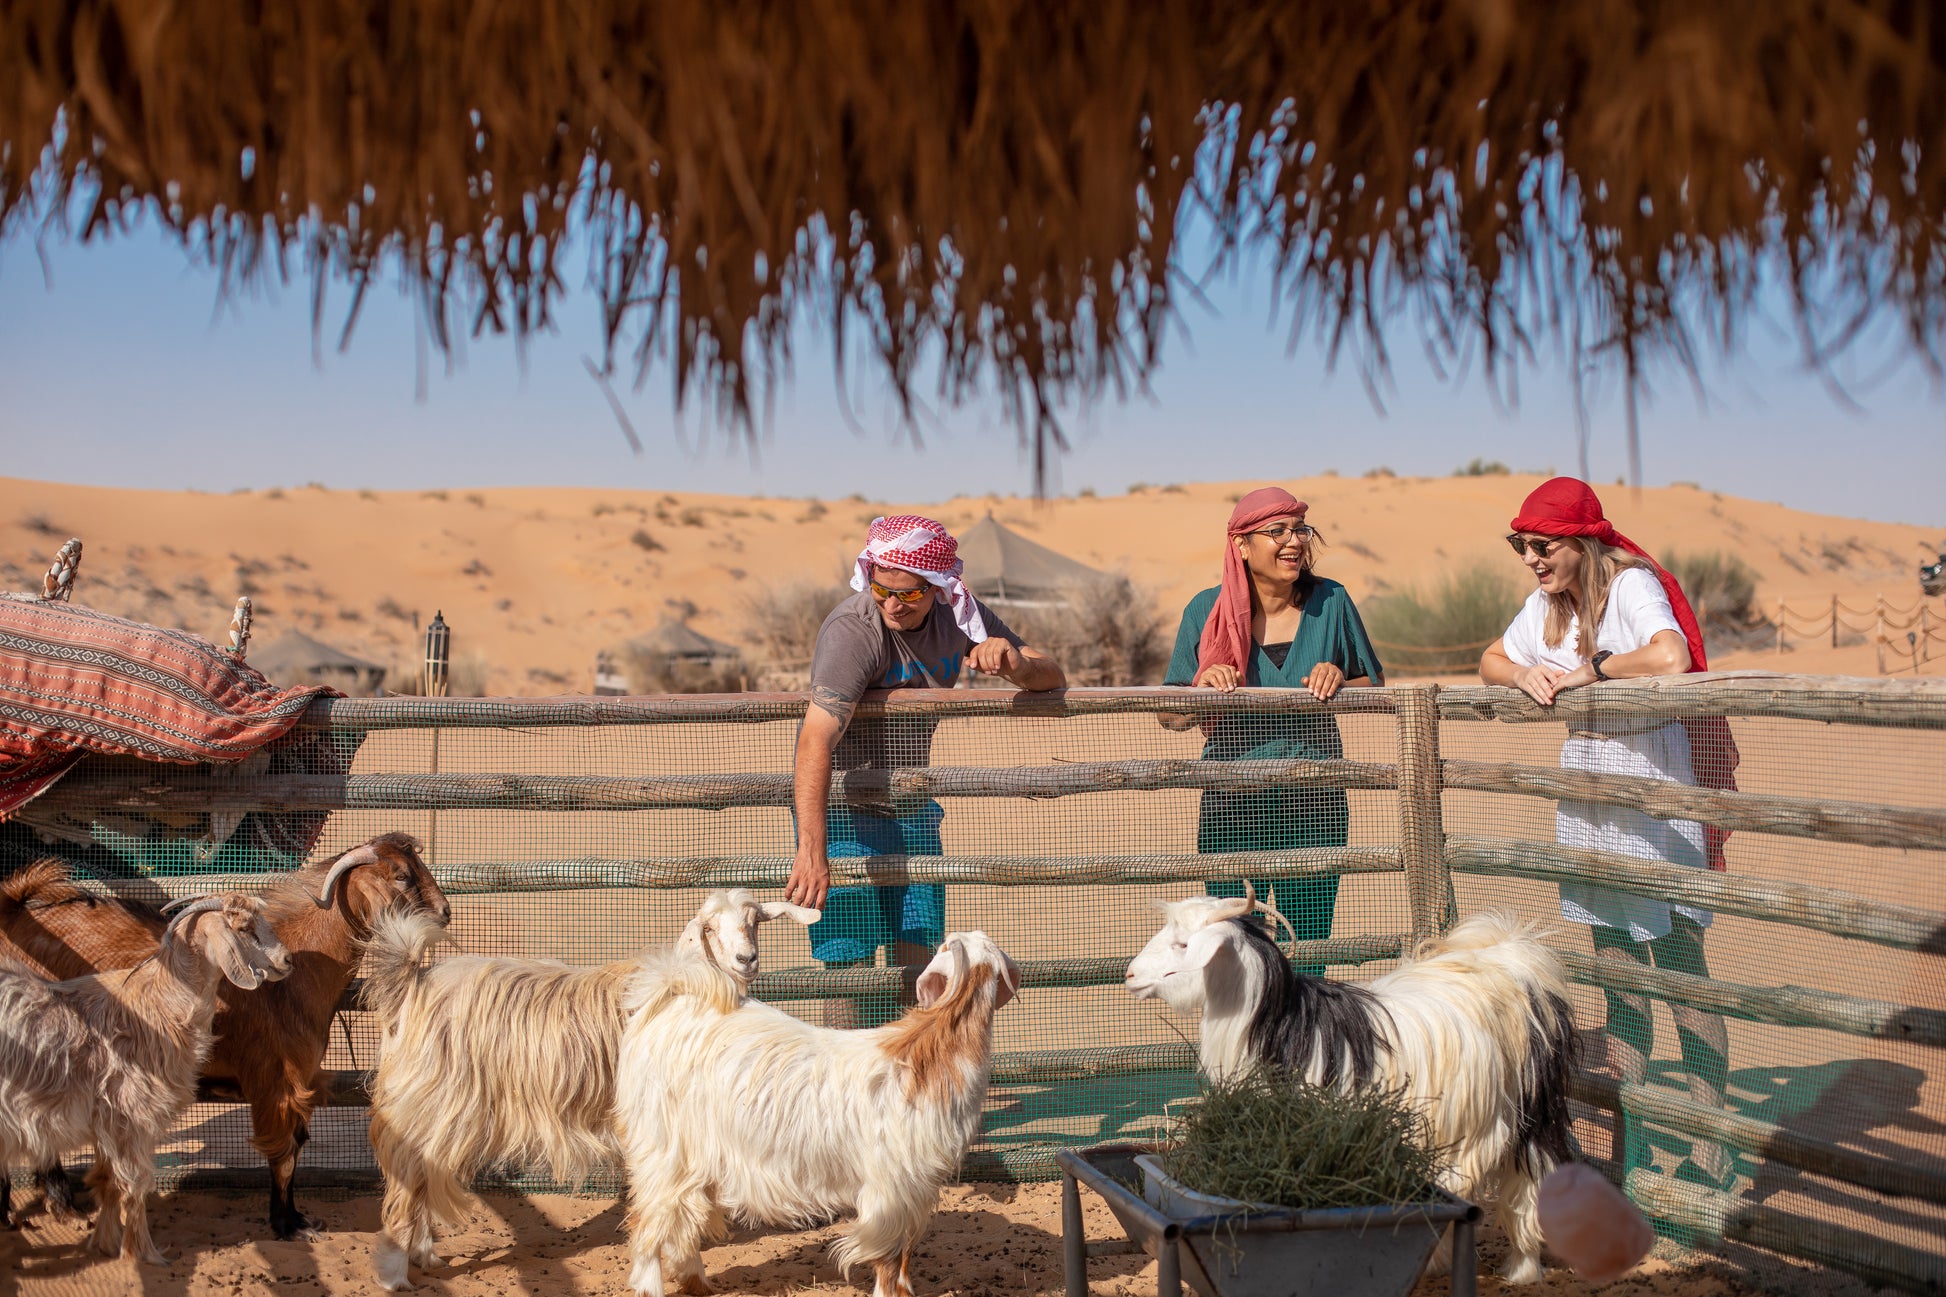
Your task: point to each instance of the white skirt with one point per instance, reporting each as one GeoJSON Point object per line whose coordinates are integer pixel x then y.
{"type": "Point", "coordinates": [1660, 753]}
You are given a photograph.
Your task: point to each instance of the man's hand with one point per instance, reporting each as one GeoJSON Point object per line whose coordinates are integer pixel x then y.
{"type": "Point", "coordinates": [995, 657]}
{"type": "Point", "coordinates": [810, 880]}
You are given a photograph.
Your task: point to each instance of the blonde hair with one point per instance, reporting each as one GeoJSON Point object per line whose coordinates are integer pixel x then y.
{"type": "Point", "coordinates": [1599, 564]}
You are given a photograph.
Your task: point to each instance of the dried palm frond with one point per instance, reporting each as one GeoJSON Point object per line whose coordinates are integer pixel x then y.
{"type": "Point", "coordinates": [991, 191]}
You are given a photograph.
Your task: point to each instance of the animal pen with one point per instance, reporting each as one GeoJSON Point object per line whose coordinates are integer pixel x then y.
{"type": "Point", "coordinates": [584, 828]}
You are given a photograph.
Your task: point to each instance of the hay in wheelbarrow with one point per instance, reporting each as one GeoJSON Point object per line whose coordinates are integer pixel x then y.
{"type": "Point", "coordinates": [1272, 1137]}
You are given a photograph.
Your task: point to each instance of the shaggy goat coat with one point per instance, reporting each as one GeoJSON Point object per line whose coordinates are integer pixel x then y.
{"type": "Point", "coordinates": [1474, 1027]}
{"type": "Point", "coordinates": [489, 1061]}
{"type": "Point", "coordinates": [269, 1041]}
{"type": "Point", "coordinates": [747, 1111]}
{"type": "Point", "coordinates": [111, 1059]}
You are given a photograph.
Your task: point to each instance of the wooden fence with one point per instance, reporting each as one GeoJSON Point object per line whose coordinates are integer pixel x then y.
{"type": "Point", "coordinates": [1426, 854]}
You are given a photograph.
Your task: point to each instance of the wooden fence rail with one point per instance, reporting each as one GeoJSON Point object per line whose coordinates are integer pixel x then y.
{"type": "Point", "coordinates": [485, 878]}
{"type": "Point", "coordinates": [1426, 856]}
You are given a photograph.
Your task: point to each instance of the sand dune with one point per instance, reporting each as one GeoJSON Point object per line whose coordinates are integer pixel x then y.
{"type": "Point", "coordinates": [537, 580]}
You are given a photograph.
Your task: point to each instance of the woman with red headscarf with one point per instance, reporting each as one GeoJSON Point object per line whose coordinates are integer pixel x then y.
{"type": "Point", "coordinates": [1602, 609]}
{"type": "Point", "coordinates": [1273, 622]}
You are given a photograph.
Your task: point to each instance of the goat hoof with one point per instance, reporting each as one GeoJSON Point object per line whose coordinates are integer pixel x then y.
{"type": "Point", "coordinates": [696, 1284]}
{"type": "Point", "coordinates": [154, 1256]}
{"type": "Point", "coordinates": [1522, 1270]}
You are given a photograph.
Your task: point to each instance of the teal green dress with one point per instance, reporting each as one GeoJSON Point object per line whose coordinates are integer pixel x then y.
{"type": "Point", "coordinates": [1277, 819]}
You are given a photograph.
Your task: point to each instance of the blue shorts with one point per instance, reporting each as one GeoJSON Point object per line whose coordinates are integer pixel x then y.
{"type": "Point", "coordinates": [858, 920]}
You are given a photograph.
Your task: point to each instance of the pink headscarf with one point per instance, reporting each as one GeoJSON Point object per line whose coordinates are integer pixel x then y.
{"type": "Point", "coordinates": [922, 547]}
{"type": "Point", "coordinates": [1226, 635]}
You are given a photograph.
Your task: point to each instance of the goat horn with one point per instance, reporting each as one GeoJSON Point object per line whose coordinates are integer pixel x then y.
{"type": "Point", "coordinates": [1235, 907]}
{"type": "Point", "coordinates": [193, 905]}
{"type": "Point", "coordinates": [350, 860]}
{"type": "Point", "coordinates": [1269, 907]}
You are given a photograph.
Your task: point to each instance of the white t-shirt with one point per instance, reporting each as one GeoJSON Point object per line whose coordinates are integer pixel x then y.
{"type": "Point", "coordinates": [1638, 610]}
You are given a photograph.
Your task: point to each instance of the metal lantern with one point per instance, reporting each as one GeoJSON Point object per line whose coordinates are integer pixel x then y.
{"type": "Point", "coordinates": [439, 656]}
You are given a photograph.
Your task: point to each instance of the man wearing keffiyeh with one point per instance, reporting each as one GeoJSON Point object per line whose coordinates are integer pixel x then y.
{"type": "Point", "coordinates": [912, 624]}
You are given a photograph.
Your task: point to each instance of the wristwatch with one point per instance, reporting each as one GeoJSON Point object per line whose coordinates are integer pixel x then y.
{"type": "Point", "coordinates": [1597, 660]}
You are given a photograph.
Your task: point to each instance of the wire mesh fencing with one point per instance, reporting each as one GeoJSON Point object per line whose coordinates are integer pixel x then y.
{"type": "Point", "coordinates": [1765, 1039]}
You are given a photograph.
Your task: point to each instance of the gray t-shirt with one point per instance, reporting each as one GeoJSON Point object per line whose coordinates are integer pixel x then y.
{"type": "Point", "coordinates": [857, 651]}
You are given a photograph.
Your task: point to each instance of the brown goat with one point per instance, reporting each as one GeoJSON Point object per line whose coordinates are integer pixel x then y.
{"type": "Point", "coordinates": [269, 1041]}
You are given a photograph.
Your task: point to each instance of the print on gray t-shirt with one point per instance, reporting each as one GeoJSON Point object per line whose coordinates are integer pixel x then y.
{"type": "Point", "coordinates": [857, 651]}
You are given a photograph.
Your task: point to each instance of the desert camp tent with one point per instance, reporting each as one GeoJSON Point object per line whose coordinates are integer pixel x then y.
{"type": "Point", "coordinates": [296, 658]}
{"type": "Point", "coordinates": [1003, 566]}
{"type": "Point", "coordinates": [681, 642]}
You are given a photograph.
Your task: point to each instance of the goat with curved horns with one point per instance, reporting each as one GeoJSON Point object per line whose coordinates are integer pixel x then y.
{"type": "Point", "coordinates": [269, 1042]}
{"type": "Point", "coordinates": [1474, 1027]}
{"type": "Point", "coordinates": [111, 1058]}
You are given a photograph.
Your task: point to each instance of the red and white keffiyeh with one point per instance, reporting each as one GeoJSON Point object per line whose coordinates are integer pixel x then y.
{"type": "Point", "coordinates": [922, 547]}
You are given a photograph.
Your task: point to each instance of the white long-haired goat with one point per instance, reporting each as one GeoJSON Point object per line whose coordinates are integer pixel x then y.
{"type": "Point", "coordinates": [491, 1061]}
{"type": "Point", "coordinates": [1474, 1027]}
{"type": "Point", "coordinates": [741, 1110]}
{"type": "Point", "coordinates": [112, 1058]}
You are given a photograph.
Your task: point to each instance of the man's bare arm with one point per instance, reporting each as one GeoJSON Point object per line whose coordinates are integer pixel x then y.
{"type": "Point", "coordinates": [825, 721]}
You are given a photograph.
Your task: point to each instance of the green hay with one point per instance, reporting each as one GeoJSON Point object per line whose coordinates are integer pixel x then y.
{"type": "Point", "coordinates": [1272, 1137]}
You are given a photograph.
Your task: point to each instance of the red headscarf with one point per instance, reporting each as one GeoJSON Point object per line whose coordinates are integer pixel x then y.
{"type": "Point", "coordinates": [1567, 506]}
{"type": "Point", "coordinates": [1226, 635]}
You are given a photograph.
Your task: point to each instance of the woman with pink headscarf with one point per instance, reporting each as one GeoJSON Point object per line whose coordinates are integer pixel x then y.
{"type": "Point", "coordinates": [1275, 623]}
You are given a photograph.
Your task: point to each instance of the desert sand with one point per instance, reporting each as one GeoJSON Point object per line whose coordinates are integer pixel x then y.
{"type": "Point", "coordinates": [986, 1241]}
{"type": "Point", "coordinates": [538, 580]}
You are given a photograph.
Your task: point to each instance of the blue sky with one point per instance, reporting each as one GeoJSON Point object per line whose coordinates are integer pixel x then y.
{"type": "Point", "coordinates": [121, 368]}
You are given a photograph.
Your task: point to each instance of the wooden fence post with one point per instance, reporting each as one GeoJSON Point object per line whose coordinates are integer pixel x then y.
{"type": "Point", "coordinates": [1834, 621]}
{"type": "Point", "coordinates": [1422, 824]}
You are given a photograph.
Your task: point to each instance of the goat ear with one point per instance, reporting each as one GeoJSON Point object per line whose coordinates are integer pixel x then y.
{"type": "Point", "coordinates": [935, 982]}
{"type": "Point", "coordinates": [1007, 985]}
{"type": "Point", "coordinates": [768, 910]}
{"type": "Point", "coordinates": [1205, 944]}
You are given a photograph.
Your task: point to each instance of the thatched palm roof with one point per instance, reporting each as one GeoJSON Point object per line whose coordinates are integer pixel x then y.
{"type": "Point", "coordinates": [993, 187]}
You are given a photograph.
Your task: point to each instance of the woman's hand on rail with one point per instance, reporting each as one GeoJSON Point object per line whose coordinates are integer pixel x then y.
{"type": "Point", "coordinates": [1324, 680]}
{"type": "Point", "coordinates": [1539, 682]}
{"type": "Point", "coordinates": [1220, 676]}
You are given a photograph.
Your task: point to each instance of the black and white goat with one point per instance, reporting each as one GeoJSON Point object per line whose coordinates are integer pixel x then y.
{"type": "Point", "coordinates": [1474, 1027]}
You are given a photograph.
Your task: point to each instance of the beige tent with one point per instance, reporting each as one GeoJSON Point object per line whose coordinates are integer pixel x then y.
{"type": "Point", "coordinates": [1003, 566]}
{"type": "Point", "coordinates": [680, 642]}
{"type": "Point", "coordinates": [296, 658]}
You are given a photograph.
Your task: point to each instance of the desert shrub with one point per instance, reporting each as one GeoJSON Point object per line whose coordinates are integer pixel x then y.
{"type": "Point", "coordinates": [782, 621]}
{"type": "Point", "coordinates": [1722, 588]}
{"type": "Point", "coordinates": [1272, 1137]}
{"type": "Point", "coordinates": [1481, 468]}
{"type": "Point", "coordinates": [1109, 633]}
{"type": "Point", "coordinates": [643, 541]}
{"type": "Point", "coordinates": [1443, 627]}
{"type": "Point", "coordinates": [650, 672]}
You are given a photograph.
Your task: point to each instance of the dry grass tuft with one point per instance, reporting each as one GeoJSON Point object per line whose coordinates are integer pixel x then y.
{"type": "Point", "coordinates": [1271, 1137]}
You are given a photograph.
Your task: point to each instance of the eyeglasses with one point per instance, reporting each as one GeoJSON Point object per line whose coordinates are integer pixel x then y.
{"type": "Point", "coordinates": [1539, 546]}
{"type": "Point", "coordinates": [1282, 533]}
{"type": "Point", "coordinates": [882, 593]}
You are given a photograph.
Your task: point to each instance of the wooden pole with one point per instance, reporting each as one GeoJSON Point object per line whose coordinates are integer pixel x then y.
{"type": "Point", "coordinates": [1783, 1006]}
{"type": "Point", "coordinates": [1834, 621]}
{"type": "Point", "coordinates": [875, 789]}
{"type": "Point", "coordinates": [1897, 703]}
{"type": "Point", "coordinates": [1767, 1140]}
{"type": "Point", "coordinates": [1422, 830]}
{"type": "Point", "coordinates": [1718, 1215]}
{"type": "Point", "coordinates": [1825, 820]}
{"type": "Point", "coordinates": [1819, 909]}
{"type": "Point", "coordinates": [1780, 628]}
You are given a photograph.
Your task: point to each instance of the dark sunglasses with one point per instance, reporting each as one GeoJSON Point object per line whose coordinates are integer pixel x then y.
{"type": "Point", "coordinates": [882, 593]}
{"type": "Point", "coordinates": [1539, 546]}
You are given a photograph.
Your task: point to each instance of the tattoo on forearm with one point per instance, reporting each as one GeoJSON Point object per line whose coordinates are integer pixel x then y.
{"type": "Point", "coordinates": [833, 702]}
